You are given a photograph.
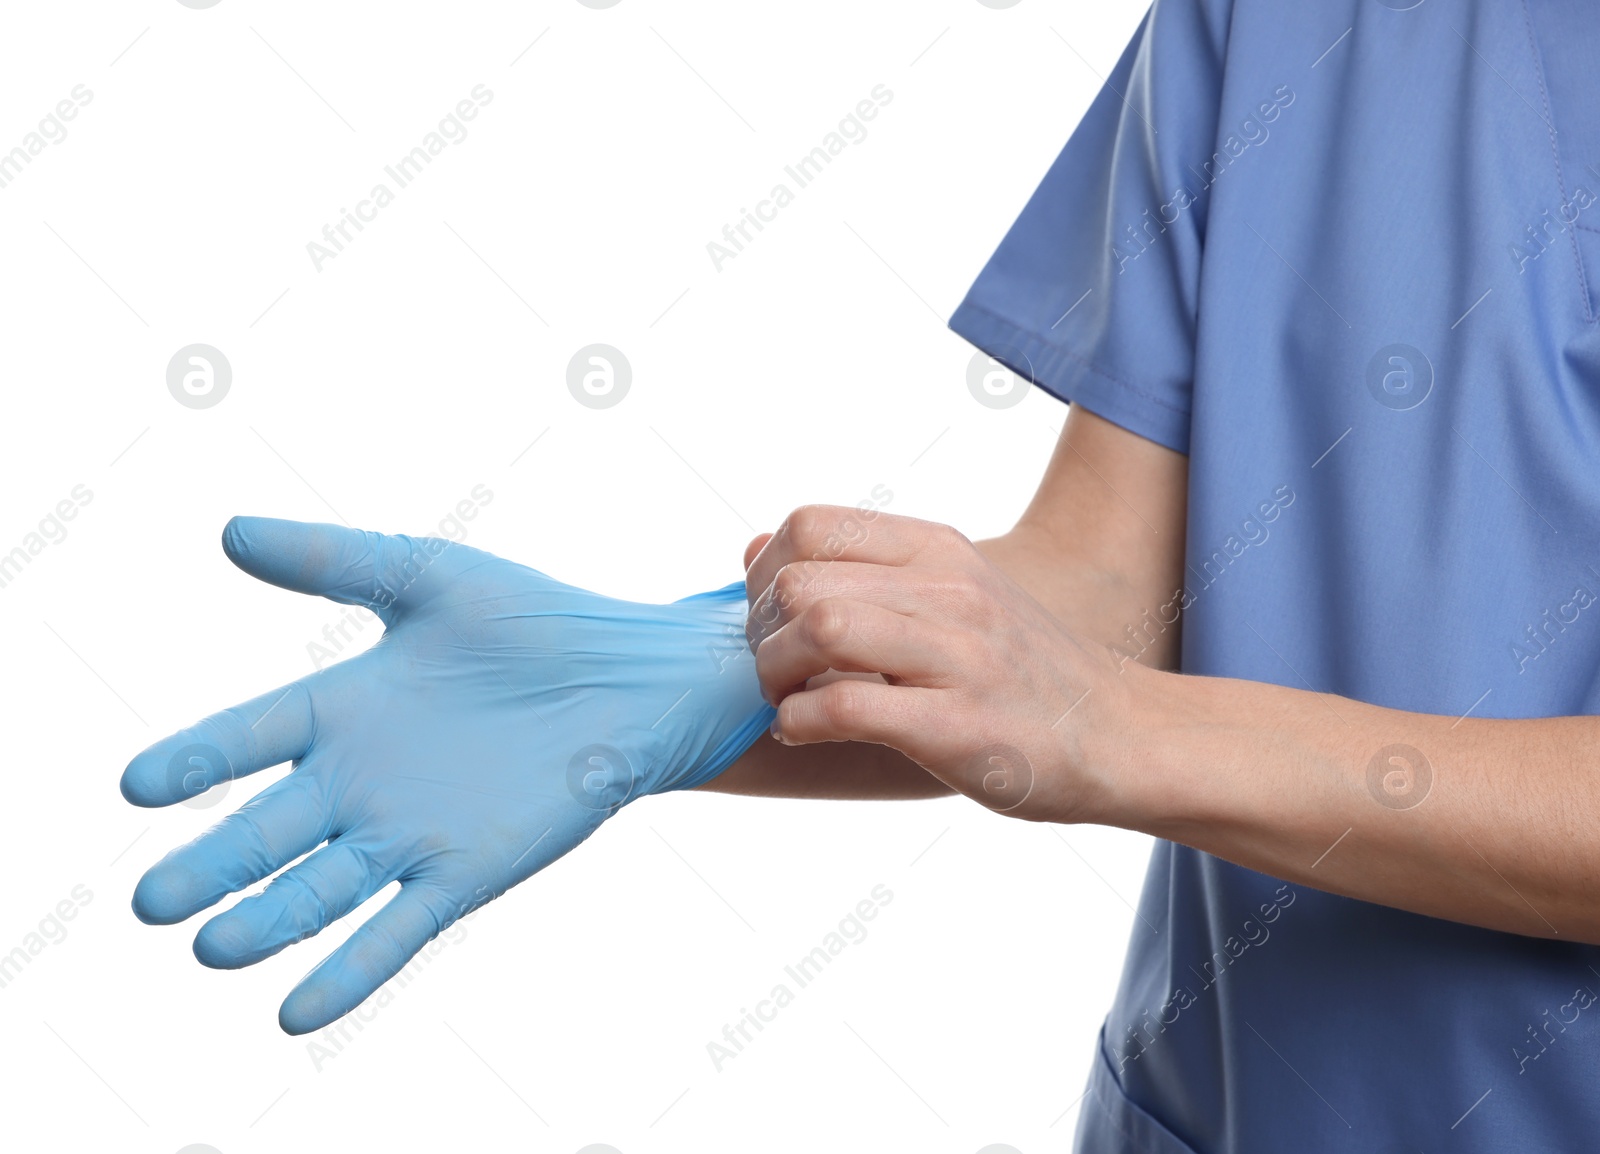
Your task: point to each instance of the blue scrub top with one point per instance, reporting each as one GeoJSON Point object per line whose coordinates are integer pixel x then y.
{"type": "Point", "coordinates": [1345, 255]}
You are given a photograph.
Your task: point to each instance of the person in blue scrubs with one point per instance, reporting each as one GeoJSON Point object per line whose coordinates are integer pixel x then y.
{"type": "Point", "coordinates": [1336, 269]}
{"type": "Point", "coordinates": [1308, 592]}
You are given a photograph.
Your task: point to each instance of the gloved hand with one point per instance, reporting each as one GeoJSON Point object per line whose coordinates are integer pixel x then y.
{"type": "Point", "coordinates": [499, 720]}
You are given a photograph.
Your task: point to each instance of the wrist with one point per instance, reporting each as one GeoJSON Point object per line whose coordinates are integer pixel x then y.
{"type": "Point", "coordinates": [721, 712]}
{"type": "Point", "coordinates": [1150, 769]}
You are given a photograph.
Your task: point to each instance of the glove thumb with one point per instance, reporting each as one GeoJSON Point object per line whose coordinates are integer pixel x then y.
{"type": "Point", "coordinates": [383, 572]}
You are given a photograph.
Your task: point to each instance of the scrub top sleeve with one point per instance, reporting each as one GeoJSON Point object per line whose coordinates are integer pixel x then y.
{"type": "Point", "coordinates": [1093, 293]}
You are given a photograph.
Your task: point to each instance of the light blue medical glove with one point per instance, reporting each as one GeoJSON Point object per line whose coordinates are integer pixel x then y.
{"type": "Point", "coordinates": [500, 719]}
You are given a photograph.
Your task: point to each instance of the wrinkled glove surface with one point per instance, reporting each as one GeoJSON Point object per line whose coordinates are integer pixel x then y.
{"type": "Point", "coordinates": [498, 721]}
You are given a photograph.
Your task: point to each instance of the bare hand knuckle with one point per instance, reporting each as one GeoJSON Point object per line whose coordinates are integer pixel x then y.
{"type": "Point", "coordinates": [788, 586]}
{"type": "Point", "coordinates": [809, 524]}
{"type": "Point", "coordinates": [843, 705]}
{"type": "Point", "coordinates": [828, 625]}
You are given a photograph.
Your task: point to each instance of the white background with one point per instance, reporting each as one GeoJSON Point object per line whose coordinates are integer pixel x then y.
{"type": "Point", "coordinates": [421, 362]}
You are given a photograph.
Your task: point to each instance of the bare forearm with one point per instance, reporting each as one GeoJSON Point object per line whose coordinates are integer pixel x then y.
{"type": "Point", "coordinates": [853, 770]}
{"type": "Point", "coordinates": [1491, 822]}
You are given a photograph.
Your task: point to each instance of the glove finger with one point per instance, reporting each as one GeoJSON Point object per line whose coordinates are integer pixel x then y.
{"type": "Point", "coordinates": [372, 955]}
{"type": "Point", "coordinates": [300, 902]}
{"type": "Point", "coordinates": [383, 572]}
{"type": "Point", "coordinates": [276, 826]}
{"type": "Point", "coordinates": [264, 731]}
